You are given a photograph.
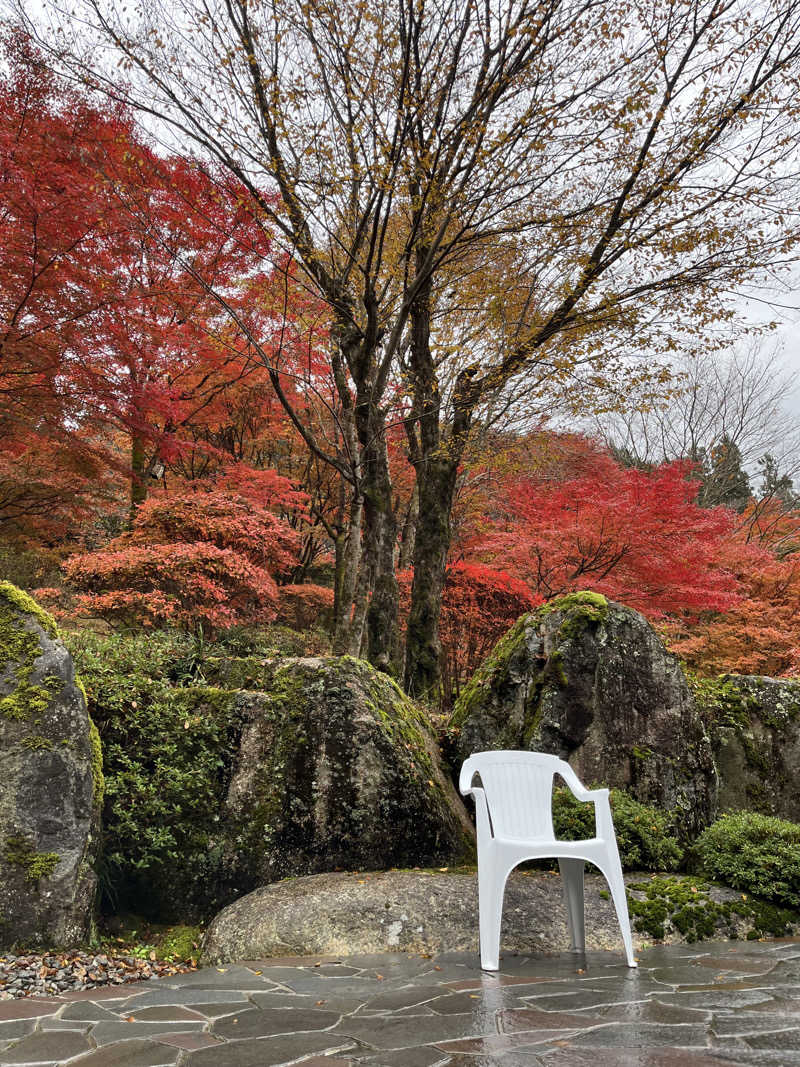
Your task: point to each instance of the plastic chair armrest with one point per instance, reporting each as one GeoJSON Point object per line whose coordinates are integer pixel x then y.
{"type": "Point", "coordinates": [465, 778]}
{"type": "Point", "coordinates": [483, 823]}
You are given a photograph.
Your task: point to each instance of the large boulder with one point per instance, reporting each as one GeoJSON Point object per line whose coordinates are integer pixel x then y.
{"type": "Point", "coordinates": [50, 783]}
{"type": "Point", "coordinates": [589, 680]}
{"type": "Point", "coordinates": [336, 769]}
{"type": "Point", "coordinates": [755, 731]}
{"type": "Point", "coordinates": [433, 912]}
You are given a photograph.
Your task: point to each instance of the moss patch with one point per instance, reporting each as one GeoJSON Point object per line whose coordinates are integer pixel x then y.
{"type": "Point", "coordinates": [19, 650]}
{"type": "Point", "coordinates": [20, 600]}
{"type": "Point", "coordinates": [580, 610]}
{"type": "Point", "coordinates": [36, 742]}
{"type": "Point", "coordinates": [133, 935]}
{"type": "Point", "coordinates": [662, 906]}
{"type": "Point", "coordinates": [98, 781]}
{"type": "Point", "coordinates": [19, 852]}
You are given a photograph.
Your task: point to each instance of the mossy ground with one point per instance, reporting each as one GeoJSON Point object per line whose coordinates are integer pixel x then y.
{"type": "Point", "coordinates": [133, 935]}
{"type": "Point", "coordinates": [664, 905]}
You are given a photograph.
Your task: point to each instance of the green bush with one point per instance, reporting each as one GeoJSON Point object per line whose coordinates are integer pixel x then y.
{"type": "Point", "coordinates": [644, 834]}
{"type": "Point", "coordinates": [166, 753]}
{"type": "Point", "coordinates": [758, 854]}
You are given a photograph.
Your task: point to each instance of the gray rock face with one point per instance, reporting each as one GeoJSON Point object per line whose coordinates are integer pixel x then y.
{"type": "Point", "coordinates": [413, 911]}
{"type": "Point", "coordinates": [590, 681]}
{"type": "Point", "coordinates": [755, 729]}
{"type": "Point", "coordinates": [50, 783]}
{"type": "Point", "coordinates": [337, 769]}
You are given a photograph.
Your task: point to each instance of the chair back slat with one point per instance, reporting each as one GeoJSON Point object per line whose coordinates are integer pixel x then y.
{"type": "Point", "coordinates": [519, 792]}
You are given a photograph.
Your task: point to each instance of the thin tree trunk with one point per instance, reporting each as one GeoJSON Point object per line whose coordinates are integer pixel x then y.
{"type": "Point", "coordinates": [138, 476]}
{"type": "Point", "coordinates": [347, 577]}
{"type": "Point", "coordinates": [432, 544]}
{"type": "Point", "coordinates": [405, 556]}
{"type": "Point", "coordinates": [380, 538]}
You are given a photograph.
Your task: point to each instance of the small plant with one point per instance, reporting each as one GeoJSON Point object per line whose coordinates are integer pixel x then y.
{"type": "Point", "coordinates": [644, 834]}
{"type": "Point", "coordinates": [755, 853]}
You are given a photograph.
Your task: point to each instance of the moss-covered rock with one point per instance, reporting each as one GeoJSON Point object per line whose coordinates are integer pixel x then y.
{"type": "Point", "coordinates": [50, 783]}
{"type": "Point", "coordinates": [589, 680]}
{"type": "Point", "coordinates": [754, 724]}
{"type": "Point", "coordinates": [337, 769]}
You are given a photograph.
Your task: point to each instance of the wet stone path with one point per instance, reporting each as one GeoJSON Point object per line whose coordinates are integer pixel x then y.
{"type": "Point", "coordinates": [706, 1006]}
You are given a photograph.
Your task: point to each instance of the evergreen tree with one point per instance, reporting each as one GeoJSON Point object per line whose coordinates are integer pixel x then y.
{"type": "Point", "coordinates": [724, 481]}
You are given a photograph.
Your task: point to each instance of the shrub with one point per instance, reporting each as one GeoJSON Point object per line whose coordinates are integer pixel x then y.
{"type": "Point", "coordinates": [166, 752]}
{"type": "Point", "coordinates": [644, 834]}
{"type": "Point", "coordinates": [755, 853]}
{"type": "Point", "coordinates": [196, 557]}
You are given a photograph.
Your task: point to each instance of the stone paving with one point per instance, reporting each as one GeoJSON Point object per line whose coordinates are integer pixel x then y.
{"type": "Point", "coordinates": [706, 1006]}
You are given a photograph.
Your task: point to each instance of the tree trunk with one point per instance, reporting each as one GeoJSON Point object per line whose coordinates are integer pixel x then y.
{"type": "Point", "coordinates": [423, 649]}
{"type": "Point", "coordinates": [405, 556]}
{"type": "Point", "coordinates": [138, 476]}
{"type": "Point", "coordinates": [436, 458]}
{"type": "Point", "coordinates": [347, 568]}
{"type": "Point", "coordinates": [380, 538]}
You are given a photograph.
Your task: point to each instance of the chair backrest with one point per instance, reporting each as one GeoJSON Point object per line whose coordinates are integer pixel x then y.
{"type": "Point", "coordinates": [519, 791]}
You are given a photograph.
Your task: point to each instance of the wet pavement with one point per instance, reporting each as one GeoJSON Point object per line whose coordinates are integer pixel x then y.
{"type": "Point", "coordinates": [707, 1006]}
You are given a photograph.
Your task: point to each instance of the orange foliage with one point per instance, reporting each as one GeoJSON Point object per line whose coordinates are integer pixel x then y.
{"type": "Point", "coordinates": [760, 633]}
{"type": "Point", "coordinates": [202, 556]}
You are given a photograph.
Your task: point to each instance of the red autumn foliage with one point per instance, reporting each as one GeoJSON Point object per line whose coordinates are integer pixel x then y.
{"type": "Point", "coordinates": [635, 536]}
{"type": "Point", "coordinates": [108, 339]}
{"type": "Point", "coordinates": [202, 556]}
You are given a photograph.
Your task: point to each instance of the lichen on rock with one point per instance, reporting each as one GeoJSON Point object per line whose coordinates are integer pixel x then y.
{"type": "Point", "coordinates": [589, 680]}
{"type": "Point", "coordinates": [337, 769]}
{"type": "Point", "coordinates": [50, 782]}
{"type": "Point", "coordinates": [754, 723]}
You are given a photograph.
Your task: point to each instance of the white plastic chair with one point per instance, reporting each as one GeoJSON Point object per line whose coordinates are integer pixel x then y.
{"type": "Point", "coordinates": [513, 807]}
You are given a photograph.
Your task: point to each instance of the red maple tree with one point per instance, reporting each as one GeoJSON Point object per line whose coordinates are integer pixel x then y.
{"type": "Point", "coordinates": [636, 536]}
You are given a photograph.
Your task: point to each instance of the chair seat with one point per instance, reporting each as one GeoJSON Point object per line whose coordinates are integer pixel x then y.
{"type": "Point", "coordinates": [559, 847]}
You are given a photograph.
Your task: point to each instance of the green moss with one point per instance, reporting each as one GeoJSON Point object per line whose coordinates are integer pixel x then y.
{"type": "Point", "coordinates": [557, 668]}
{"type": "Point", "coordinates": [685, 905]}
{"type": "Point", "coordinates": [36, 742]}
{"type": "Point", "coordinates": [682, 903]}
{"type": "Point", "coordinates": [19, 852]}
{"type": "Point", "coordinates": [596, 602]}
{"type": "Point", "coordinates": [641, 753]}
{"type": "Point", "coordinates": [98, 781]}
{"type": "Point", "coordinates": [179, 942]}
{"type": "Point", "coordinates": [24, 603]}
{"type": "Point", "coordinates": [21, 648]}
{"type": "Point", "coordinates": [720, 701]}
{"type": "Point", "coordinates": [580, 609]}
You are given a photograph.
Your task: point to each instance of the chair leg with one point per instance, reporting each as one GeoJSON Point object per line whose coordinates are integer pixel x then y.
{"type": "Point", "coordinates": [491, 889]}
{"type": "Point", "coordinates": [613, 874]}
{"type": "Point", "coordinates": [572, 881]}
